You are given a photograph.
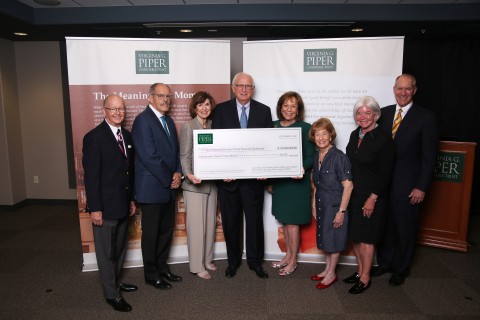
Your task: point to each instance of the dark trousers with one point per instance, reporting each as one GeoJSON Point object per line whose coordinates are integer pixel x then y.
{"type": "Point", "coordinates": [110, 247]}
{"type": "Point", "coordinates": [157, 231]}
{"type": "Point", "coordinates": [233, 204]}
{"type": "Point", "coordinates": [398, 246]}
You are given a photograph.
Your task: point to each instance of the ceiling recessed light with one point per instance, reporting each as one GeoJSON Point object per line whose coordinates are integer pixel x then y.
{"type": "Point", "coordinates": [23, 34]}
{"type": "Point", "coordinates": [48, 2]}
{"type": "Point", "coordinates": [186, 30]}
{"type": "Point", "coordinates": [357, 29]}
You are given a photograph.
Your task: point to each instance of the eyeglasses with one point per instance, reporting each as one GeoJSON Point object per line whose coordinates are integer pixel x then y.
{"type": "Point", "coordinates": [114, 110]}
{"type": "Point", "coordinates": [162, 96]}
{"type": "Point", "coordinates": [247, 87]}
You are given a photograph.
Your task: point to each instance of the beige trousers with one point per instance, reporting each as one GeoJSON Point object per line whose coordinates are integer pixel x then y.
{"type": "Point", "coordinates": [201, 210]}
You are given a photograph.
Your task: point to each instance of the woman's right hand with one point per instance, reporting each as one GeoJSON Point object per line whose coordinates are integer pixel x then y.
{"type": "Point", "coordinates": [368, 207]}
{"type": "Point", "coordinates": [193, 179]}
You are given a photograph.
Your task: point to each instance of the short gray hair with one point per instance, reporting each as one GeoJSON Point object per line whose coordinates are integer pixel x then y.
{"type": "Point", "coordinates": [369, 102]}
{"type": "Point", "coordinates": [234, 80]}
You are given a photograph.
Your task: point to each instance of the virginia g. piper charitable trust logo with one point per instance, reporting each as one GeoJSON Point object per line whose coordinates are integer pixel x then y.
{"type": "Point", "coordinates": [205, 138]}
{"type": "Point", "coordinates": [319, 60]}
{"type": "Point", "coordinates": [152, 62]}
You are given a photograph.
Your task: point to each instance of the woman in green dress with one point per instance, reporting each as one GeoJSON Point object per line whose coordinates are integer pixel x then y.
{"type": "Point", "coordinates": [291, 197]}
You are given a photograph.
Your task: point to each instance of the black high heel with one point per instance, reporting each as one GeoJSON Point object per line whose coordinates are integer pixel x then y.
{"type": "Point", "coordinates": [353, 278]}
{"type": "Point", "coordinates": [359, 287]}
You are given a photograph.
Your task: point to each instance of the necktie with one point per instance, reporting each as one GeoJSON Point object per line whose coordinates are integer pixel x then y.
{"type": "Point", "coordinates": [165, 127]}
{"type": "Point", "coordinates": [396, 123]}
{"type": "Point", "coordinates": [120, 141]}
{"type": "Point", "coordinates": [243, 118]}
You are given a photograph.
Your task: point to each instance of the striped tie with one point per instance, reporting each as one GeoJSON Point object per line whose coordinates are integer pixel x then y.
{"type": "Point", "coordinates": [120, 142]}
{"type": "Point", "coordinates": [396, 123]}
{"type": "Point", "coordinates": [165, 127]}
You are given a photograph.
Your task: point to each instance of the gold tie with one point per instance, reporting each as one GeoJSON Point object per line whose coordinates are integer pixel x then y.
{"type": "Point", "coordinates": [396, 123]}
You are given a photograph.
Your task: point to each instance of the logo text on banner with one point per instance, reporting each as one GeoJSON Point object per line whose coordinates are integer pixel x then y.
{"type": "Point", "coordinates": [152, 62]}
{"type": "Point", "coordinates": [449, 166]}
{"type": "Point", "coordinates": [320, 60]}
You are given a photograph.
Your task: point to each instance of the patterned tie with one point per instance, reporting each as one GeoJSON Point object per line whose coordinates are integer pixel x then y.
{"type": "Point", "coordinates": [396, 122]}
{"type": "Point", "coordinates": [243, 118]}
{"type": "Point", "coordinates": [120, 142]}
{"type": "Point", "coordinates": [165, 127]}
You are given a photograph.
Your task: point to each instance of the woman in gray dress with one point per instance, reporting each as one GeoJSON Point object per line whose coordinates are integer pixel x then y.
{"type": "Point", "coordinates": [200, 196]}
{"type": "Point", "coordinates": [332, 179]}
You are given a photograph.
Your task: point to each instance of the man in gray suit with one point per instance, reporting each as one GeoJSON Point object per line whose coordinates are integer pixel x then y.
{"type": "Point", "coordinates": [108, 166]}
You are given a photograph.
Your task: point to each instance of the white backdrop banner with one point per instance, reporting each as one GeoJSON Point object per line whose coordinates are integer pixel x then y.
{"type": "Point", "coordinates": [100, 66]}
{"type": "Point", "coordinates": [330, 75]}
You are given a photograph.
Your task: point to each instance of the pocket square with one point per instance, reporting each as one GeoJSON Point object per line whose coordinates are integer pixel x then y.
{"type": "Point", "coordinates": [129, 146]}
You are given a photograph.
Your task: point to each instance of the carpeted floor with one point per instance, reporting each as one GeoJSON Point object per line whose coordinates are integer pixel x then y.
{"type": "Point", "coordinates": [41, 278]}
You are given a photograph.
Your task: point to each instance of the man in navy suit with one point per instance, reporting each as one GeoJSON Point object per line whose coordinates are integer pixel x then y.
{"type": "Point", "coordinates": [416, 144]}
{"type": "Point", "coordinates": [108, 167]}
{"type": "Point", "coordinates": [158, 176]}
{"type": "Point", "coordinates": [238, 196]}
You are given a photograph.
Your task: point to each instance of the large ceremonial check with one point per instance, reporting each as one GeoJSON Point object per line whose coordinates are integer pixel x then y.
{"type": "Point", "coordinates": [247, 153]}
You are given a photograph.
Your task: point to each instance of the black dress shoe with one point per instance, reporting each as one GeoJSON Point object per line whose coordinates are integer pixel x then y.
{"type": "Point", "coordinates": [171, 277]}
{"type": "Point", "coordinates": [159, 284]}
{"type": "Point", "coordinates": [230, 272]}
{"type": "Point", "coordinates": [119, 304]}
{"type": "Point", "coordinates": [127, 287]}
{"type": "Point", "coordinates": [260, 272]}
{"type": "Point", "coordinates": [353, 278]}
{"type": "Point", "coordinates": [397, 279]}
{"type": "Point", "coordinates": [359, 287]}
{"type": "Point", "coordinates": [378, 271]}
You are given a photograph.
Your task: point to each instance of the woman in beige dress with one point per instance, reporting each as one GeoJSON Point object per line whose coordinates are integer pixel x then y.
{"type": "Point", "coordinates": [200, 196]}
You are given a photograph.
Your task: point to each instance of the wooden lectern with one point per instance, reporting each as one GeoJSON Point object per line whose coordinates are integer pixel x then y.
{"type": "Point", "coordinates": [444, 214]}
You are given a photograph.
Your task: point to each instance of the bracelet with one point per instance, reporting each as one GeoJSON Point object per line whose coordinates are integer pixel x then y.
{"type": "Point", "coordinates": [373, 197]}
{"type": "Point", "coordinates": [342, 211]}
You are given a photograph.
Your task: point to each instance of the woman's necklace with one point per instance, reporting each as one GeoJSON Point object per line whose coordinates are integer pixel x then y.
{"type": "Point", "coordinates": [204, 123]}
{"type": "Point", "coordinates": [361, 135]}
{"type": "Point", "coordinates": [322, 154]}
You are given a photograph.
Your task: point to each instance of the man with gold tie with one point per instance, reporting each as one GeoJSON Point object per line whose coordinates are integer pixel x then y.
{"type": "Point", "coordinates": [415, 135]}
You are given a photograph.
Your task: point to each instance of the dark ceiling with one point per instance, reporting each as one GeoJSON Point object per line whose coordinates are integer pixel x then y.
{"type": "Point", "coordinates": [254, 21]}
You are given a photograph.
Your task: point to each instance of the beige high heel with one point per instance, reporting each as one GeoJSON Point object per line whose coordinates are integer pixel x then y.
{"type": "Point", "coordinates": [204, 275]}
{"type": "Point", "coordinates": [284, 272]}
{"type": "Point", "coordinates": [210, 266]}
{"type": "Point", "coordinates": [278, 265]}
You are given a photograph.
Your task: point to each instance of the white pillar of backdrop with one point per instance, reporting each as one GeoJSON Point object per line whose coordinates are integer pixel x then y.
{"type": "Point", "coordinates": [329, 88]}
{"type": "Point", "coordinates": [100, 66]}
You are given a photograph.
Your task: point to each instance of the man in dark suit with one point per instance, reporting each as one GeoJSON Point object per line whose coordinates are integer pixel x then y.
{"type": "Point", "coordinates": [238, 196]}
{"type": "Point", "coordinates": [158, 176]}
{"type": "Point", "coordinates": [108, 166]}
{"type": "Point", "coordinates": [415, 135]}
